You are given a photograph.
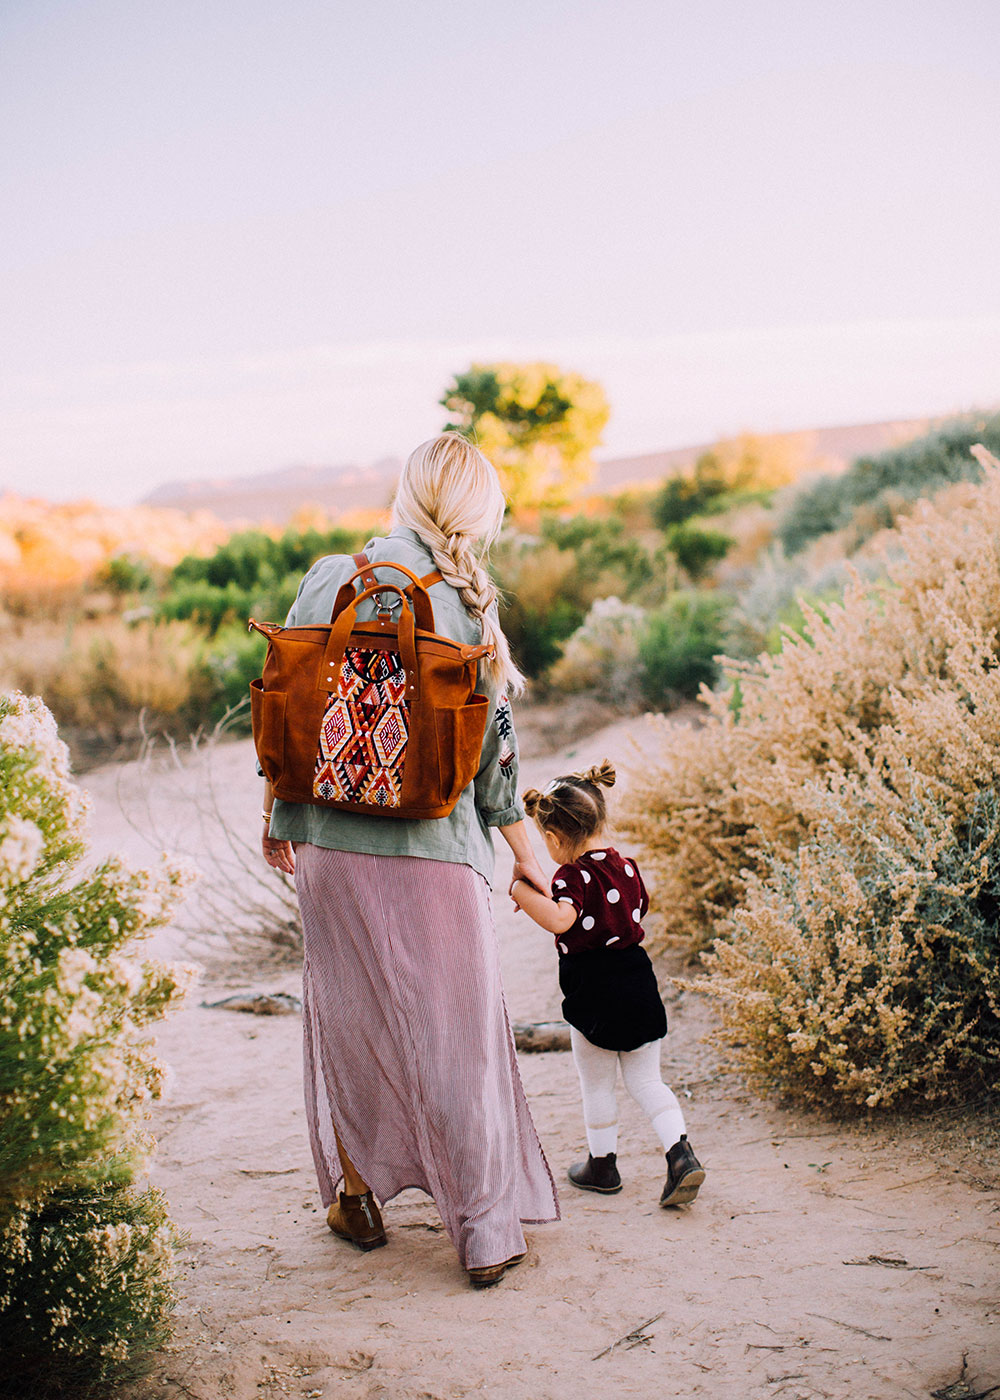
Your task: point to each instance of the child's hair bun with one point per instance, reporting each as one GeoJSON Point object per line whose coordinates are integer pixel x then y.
{"type": "Point", "coordinates": [601, 775]}
{"type": "Point", "coordinates": [537, 804]}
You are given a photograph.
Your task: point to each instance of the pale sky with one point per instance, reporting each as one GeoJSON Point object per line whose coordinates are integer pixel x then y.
{"type": "Point", "coordinates": [240, 235]}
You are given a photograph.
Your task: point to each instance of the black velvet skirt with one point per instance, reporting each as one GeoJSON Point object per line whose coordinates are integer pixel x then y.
{"type": "Point", "coordinates": [611, 997]}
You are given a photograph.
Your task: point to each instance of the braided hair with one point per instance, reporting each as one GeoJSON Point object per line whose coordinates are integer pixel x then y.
{"type": "Point", "coordinates": [450, 494]}
{"type": "Point", "coordinates": [573, 806]}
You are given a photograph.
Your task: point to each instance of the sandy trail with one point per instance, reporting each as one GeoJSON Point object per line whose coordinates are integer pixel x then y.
{"type": "Point", "coordinates": [819, 1260]}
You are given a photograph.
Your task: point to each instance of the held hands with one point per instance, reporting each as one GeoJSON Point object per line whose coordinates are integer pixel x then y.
{"type": "Point", "coordinates": [530, 872]}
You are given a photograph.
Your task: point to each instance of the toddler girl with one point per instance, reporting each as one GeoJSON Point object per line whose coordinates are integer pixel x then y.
{"type": "Point", "coordinates": [610, 995]}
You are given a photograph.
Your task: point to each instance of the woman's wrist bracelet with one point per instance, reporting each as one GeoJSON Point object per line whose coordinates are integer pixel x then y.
{"type": "Point", "coordinates": [267, 817]}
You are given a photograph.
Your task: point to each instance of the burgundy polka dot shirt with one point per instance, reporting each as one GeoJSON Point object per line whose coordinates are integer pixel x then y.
{"type": "Point", "coordinates": [610, 900]}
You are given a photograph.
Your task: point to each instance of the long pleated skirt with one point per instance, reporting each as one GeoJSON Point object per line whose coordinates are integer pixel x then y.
{"type": "Point", "coordinates": [408, 1047]}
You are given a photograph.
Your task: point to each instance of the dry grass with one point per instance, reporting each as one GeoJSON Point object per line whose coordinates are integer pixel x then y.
{"type": "Point", "coordinates": [99, 675]}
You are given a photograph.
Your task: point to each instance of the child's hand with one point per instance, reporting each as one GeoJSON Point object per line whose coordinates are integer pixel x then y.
{"type": "Point", "coordinates": [516, 902]}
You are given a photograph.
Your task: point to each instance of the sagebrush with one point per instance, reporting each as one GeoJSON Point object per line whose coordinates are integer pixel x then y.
{"type": "Point", "coordinates": [86, 1262]}
{"type": "Point", "coordinates": [859, 761]}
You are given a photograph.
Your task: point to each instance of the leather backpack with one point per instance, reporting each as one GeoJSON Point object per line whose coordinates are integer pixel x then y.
{"type": "Point", "coordinates": [380, 717]}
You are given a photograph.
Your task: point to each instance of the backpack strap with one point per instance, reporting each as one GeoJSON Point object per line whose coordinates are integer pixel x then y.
{"type": "Point", "coordinates": [363, 564]}
{"type": "Point", "coordinates": [368, 580]}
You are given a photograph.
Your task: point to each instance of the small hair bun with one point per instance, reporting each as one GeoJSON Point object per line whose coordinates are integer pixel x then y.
{"type": "Point", "coordinates": [537, 804]}
{"type": "Point", "coordinates": [601, 775]}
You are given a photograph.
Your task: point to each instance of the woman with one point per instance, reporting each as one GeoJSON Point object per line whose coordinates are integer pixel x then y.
{"type": "Point", "coordinates": [410, 1073]}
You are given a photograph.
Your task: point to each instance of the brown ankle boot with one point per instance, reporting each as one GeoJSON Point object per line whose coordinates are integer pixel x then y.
{"type": "Point", "coordinates": [685, 1175]}
{"type": "Point", "coordinates": [357, 1218]}
{"type": "Point", "coordinates": [597, 1174]}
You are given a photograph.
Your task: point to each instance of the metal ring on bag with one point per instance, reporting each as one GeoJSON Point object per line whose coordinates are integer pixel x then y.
{"type": "Point", "coordinates": [384, 609]}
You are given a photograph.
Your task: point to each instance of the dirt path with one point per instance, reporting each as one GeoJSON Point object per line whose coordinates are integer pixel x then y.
{"type": "Point", "coordinates": [818, 1261]}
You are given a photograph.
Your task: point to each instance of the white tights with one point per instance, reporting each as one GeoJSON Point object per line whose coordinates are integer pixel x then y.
{"type": "Point", "coordinates": [598, 1071]}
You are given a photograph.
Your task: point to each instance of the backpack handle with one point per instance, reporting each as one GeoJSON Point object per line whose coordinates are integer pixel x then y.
{"type": "Point", "coordinates": [416, 591]}
{"type": "Point", "coordinates": [343, 623]}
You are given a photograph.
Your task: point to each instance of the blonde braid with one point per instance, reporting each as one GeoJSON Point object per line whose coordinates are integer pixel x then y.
{"type": "Point", "coordinates": [450, 495]}
{"type": "Point", "coordinates": [456, 558]}
{"type": "Point", "coordinates": [460, 567]}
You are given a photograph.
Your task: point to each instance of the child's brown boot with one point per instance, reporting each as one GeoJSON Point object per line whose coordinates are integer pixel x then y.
{"type": "Point", "coordinates": [597, 1174]}
{"type": "Point", "coordinates": [684, 1175]}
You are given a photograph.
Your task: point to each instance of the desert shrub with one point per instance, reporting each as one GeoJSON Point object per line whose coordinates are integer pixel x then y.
{"type": "Point", "coordinates": [604, 554]}
{"type": "Point", "coordinates": [780, 597]}
{"type": "Point", "coordinates": [85, 1274]}
{"type": "Point", "coordinates": [863, 973]}
{"type": "Point", "coordinates": [549, 581]}
{"type": "Point", "coordinates": [86, 1284]}
{"type": "Point", "coordinates": [232, 659]}
{"type": "Point", "coordinates": [679, 645]}
{"type": "Point", "coordinates": [682, 496]}
{"type": "Point", "coordinates": [602, 655]}
{"type": "Point", "coordinates": [696, 549]}
{"type": "Point", "coordinates": [251, 574]}
{"type": "Point", "coordinates": [858, 764]}
{"type": "Point", "coordinates": [875, 490]}
{"type": "Point", "coordinates": [821, 704]}
{"type": "Point", "coordinates": [99, 677]}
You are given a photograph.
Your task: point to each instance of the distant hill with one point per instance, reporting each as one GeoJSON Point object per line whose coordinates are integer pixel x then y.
{"type": "Point", "coordinates": [832, 449]}
{"type": "Point", "coordinates": [275, 497]}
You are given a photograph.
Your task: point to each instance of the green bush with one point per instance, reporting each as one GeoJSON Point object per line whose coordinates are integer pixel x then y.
{"type": "Point", "coordinates": [696, 550]}
{"type": "Point", "coordinates": [247, 558]}
{"type": "Point", "coordinates": [549, 582]}
{"type": "Point", "coordinates": [85, 1291]}
{"type": "Point", "coordinates": [602, 550]}
{"type": "Point", "coordinates": [251, 574]}
{"type": "Point", "coordinates": [85, 1280]}
{"type": "Point", "coordinates": [678, 647]}
{"type": "Point", "coordinates": [233, 658]}
{"type": "Point", "coordinates": [870, 494]}
{"type": "Point", "coordinates": [126, 573]}
{"type": "Point", "coordinates": [681, 497]}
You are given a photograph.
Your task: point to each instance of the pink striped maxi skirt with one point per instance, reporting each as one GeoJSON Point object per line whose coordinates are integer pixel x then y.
{"type": "Point", "coordinates": [408, 1048]}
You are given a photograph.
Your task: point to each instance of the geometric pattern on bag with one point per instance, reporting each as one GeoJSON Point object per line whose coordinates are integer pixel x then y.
{"type": "Point", "coordinates": [364, 733]}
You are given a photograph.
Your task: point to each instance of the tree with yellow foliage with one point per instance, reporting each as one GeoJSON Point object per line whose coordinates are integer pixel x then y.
{"type": "Point", "coordinates": [537, 423]}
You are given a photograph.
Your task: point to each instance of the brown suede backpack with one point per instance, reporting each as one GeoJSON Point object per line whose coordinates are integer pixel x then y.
{"type": "Point", "coordinates": [379, 717]}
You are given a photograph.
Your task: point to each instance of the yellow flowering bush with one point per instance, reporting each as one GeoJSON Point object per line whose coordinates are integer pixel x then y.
{"type": "Point", "coordinates": [834, 821]}
{"type": "Point", "coordinates": [76, 1069]}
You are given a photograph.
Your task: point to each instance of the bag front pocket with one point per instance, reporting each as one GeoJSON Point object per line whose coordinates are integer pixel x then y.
{"type": "Point", "coordinates": [267, 715]}
{"type": "Point", "coordinates": [460, 745]}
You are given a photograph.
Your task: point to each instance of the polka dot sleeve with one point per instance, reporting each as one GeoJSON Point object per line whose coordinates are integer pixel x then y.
{"type": "Point", "coordinates": [568, 887]}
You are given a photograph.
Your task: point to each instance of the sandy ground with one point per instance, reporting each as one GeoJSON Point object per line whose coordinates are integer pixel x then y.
{"type": "Point", "coordinates": [818, 1260]}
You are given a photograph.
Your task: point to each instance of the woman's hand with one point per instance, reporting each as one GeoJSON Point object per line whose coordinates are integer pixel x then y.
{"type": "Point", "coordinates": [529, 870]}
{"type": "Point", "coordinates": [278, 854]}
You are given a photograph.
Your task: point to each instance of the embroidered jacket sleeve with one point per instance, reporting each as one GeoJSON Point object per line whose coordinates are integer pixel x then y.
{"type": "Point", "coordinates": [496, 781]}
